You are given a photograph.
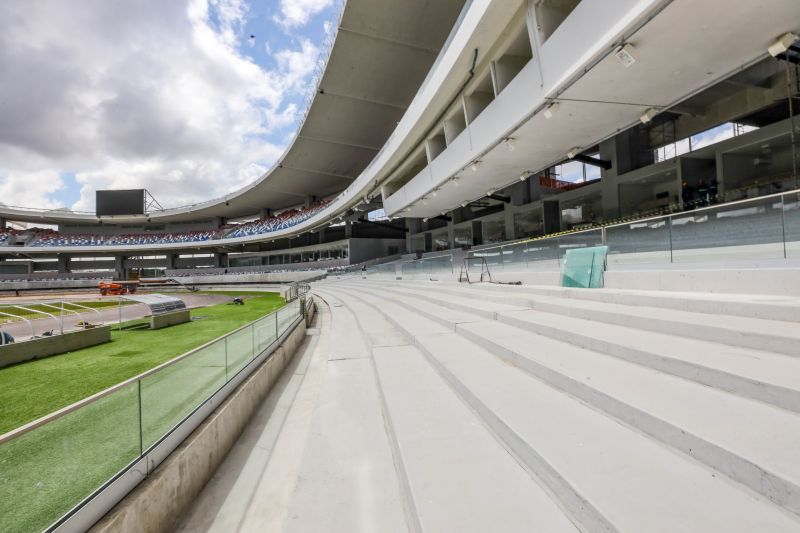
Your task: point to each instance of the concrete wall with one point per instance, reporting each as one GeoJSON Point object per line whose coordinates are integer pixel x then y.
{"type": "Point", "coordinates": [55, 345]}
{"type": "Point", "coordinates": [170, 319]}
{"type": "Point", "coordinates": [157, 503]}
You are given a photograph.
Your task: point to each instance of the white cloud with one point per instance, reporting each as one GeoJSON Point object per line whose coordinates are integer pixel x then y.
{"type": "Point", "coordinates": [138, 94]}
{"type": "Point", "coordinates": [296, 13]}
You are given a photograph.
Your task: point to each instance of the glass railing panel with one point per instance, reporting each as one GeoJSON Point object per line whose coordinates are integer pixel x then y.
{"type": "Point", "coordinates": [541, 255]}
{"type": "Point", "coordinates": [583, 239]}
{"type": "Point", "coordinates": [492, 256]}
{"type": "Point", "coordinates": [747, 231]}
{"type": "Point", "coordinates": [639, 243]}
{"type": "Point", "coordinates": [409, 270]}
{"type": "Point", "coordinates": [286, 316]}
{"type": "Point", "coordinates": [240, 348]}
{"type": "Point", "coordinates": [172, 393]}
{"type": "Point", "coordinates": [47, 471]}
{"type": "Point", "coordinates": [265, 332]}
{"type": "Point", "coordinates": [791, 221]}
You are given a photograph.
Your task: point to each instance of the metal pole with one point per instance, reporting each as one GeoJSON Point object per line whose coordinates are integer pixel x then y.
{"type": "Point", "coordinates": [783, 226]}
{"type": "Point", "coordinates": [141, 422]}
{"type": "Point", "coordinates": [792, 124]}
{"type": "Point", "coordinates": [669, 224]}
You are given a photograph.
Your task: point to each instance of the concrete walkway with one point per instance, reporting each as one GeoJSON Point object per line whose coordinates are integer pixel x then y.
{"type": "Point", "coordinates": [430, 406]}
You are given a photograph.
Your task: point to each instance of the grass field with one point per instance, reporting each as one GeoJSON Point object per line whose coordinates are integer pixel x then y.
{"type": "Point", "coordinates": [47, 471]}
{"type": "Point", "coordinates": [33, 389]}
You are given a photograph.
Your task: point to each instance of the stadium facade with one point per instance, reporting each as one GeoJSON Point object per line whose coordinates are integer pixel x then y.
{"type": "Point", "coordinates": [482, 122]}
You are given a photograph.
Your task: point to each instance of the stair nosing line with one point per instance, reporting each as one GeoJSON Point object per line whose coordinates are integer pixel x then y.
{"type": "Point", "coordinates": [754, 390]}
{"type": "Point", "coordinates": [760, 477]}
{"type": "Point", "coordinates": [409, 505]}
{"type": "Point", "coordinates": [581, 512]}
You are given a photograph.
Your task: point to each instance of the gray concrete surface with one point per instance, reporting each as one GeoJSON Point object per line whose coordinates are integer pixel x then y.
{"type": "Point", "coordinates": [430, 406]}
{"type": "Point", "coordinates": [46, 346]}
{"type": "Point", "coordinates": [170, 319]}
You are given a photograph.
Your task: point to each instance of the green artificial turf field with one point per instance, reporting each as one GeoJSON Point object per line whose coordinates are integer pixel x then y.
{"type": "Point", "coordinates": [50, 469]}
{"type": "Point", "coordinates": [33, 389]}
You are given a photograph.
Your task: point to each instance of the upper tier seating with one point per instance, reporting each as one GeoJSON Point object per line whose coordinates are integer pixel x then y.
{"type": "Point", "coordinates": [284, 220]}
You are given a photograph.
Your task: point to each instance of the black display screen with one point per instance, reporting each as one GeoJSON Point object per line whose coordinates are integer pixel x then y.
{"type": "Point", "coordinates": [120, 202]}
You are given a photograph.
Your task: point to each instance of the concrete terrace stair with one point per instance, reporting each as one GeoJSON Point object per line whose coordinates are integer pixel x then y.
{"type": "Point", "coordinates": [773, 335]}
{"type": "Point", "coordinates": [692, 418]}
{"type": "Point", "coordinates": [756, 374]}
{"type": "Point", "coordinates": [614, 459]}
{"type": "Point", "coordinates": [429, 427]}
{"type": "Point", "coordinates": [431, 406]}
{"type": "Point", "coordinates": [723, 413]}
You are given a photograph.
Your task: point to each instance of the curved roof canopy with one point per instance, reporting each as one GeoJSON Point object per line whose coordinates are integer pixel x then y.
{"type": "Point", "coordinates": [382, 52]}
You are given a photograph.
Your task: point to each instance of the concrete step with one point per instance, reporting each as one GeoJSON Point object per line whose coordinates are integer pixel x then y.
{"type": "Point", "coordinates": [627, 477]}
{"type": "Point", "coordinates": [700, 421]}
{"type": "Point", "coordinates": [768, 307]}
{"type": "Point", "coordinates": [338, 490]}
{"type": "Point", "coordinates": [754, 374]}
{"type": "Point", "coordinates": [459, 476]}
{"type": "Point", "coordinates": [771, 335]}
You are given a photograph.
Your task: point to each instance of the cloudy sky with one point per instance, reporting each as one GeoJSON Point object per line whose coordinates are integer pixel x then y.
{"type": "Point", "coordinates": [173, 96]}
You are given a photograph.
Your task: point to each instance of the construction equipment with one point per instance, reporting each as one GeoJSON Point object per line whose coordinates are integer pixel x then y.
{"type": "Point", "coordinates": [118, 288]}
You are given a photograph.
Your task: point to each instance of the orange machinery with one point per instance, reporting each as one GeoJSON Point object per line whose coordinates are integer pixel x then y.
{"type": "Point", "coordinates": [118, 288]}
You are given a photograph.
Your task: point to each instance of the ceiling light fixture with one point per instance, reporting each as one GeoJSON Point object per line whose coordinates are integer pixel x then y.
{"type": "Point", "coordinates": [648, 116]}
{"type": "Point", "coordinates": [524, 176]}
{"type": "Point", "coordinates": [425, 219]}
{"type": "Point", "coordinates": [509, 144]}
{"type": "Point", "coordinates": [474, 166]}
{"type": "Point", "coordinates": [550, 110]}
{"type": "Point", "coordinates": [490, 192]}
{"type": "Point", "coordinates": [626, 55]}
{"type": "Point", "coordinates": [782, 44]}
{"type": "Point", "coordinates": [464, 204]}
{"type": "Point", "coordinates": [573, 152]}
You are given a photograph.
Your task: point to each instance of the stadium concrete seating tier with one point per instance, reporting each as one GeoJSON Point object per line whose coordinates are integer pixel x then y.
{"type": "Point", "coordinates": [434, 406]}
{"type": "Point", "coordinates": [37, 237]}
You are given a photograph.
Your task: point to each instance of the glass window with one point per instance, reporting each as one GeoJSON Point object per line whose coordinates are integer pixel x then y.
{"type": "Point", "coordinates": [462, 236]}
{"type": "Point", "coordinates": [418, 243]}
{"type": "Point", "coordinates": [494, 230]}
{"type": "Point", "coordinates": [528, 223]}
{"type": "Point", "coordinates": [440, 240]}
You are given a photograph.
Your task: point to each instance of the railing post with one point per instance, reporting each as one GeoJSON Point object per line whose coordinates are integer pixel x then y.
{"type": "Point", "coordinates": [141, 422]}
{"type": "Point", "coordinates": [783, 226]}
{"type": "Point", "coordinates": [226, 359]}
{"type": "Point", "coordinates": [669, 227]}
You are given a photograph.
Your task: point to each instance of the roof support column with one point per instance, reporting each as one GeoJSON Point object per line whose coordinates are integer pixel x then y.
{"type": "Point", "coordinates": [119, 267]}
{"type": "Point", "coordinates": [63, 264]}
